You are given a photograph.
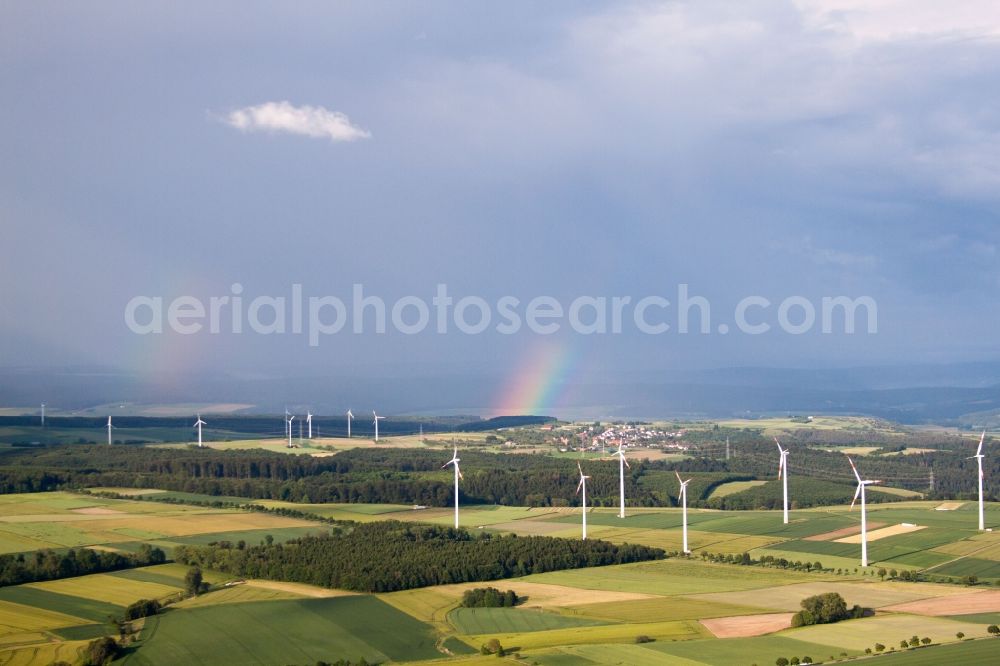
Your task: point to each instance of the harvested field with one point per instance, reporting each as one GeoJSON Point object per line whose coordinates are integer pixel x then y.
{"type": "Point", "coordinates": [948, 506]}
{"type": "Point", "coordinates": [982, 601]}
{"type": "Point", "coordinates": [97, 511]}
{"type": "Point", "coordinates": [883, 533]}
{"type": "Point", "coordinates": [743, 626]}
{"type": "Point", "coordinates": [836, 535]}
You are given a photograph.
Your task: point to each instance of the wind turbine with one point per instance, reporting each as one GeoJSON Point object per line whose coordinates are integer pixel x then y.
{"type": "Point", "coordinates": [43, 414]}
{"type": "Point", "coordinates": [864, 525]}
{"type": "Point", "coordinates": [309, 423]}
{"type": "Point", "coordinates": [979, 460]}
{"type": "Point", "coordinates": [291, 418]}
{"type": "Point", "coordinates": [198, 424]}
{"type": "Point", "coordinates": [109, 429]}
{"type": "Point", "coordinates": [377, 417]}
{"type": "Point", "coordinates": [684, 507]}
{"type": "Point", "coordinates": [349, 417]}
{"type": "Point", "coordinates": [583, 485]}
{"type": "Point", "coordinates": [783, 476]}
{"type": "Point", "coordinates": [622, 464]}
{"type": "Point", "coordinates": [458, 475]}
{"type": "Point", "coordinates": [288, 423]}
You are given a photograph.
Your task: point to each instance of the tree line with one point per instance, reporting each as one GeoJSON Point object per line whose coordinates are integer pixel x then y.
{"type": "Point", "coordinates": [51, 565]}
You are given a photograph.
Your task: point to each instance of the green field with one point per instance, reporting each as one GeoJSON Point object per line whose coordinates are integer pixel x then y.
{"type": "Point", "coordinates": [763, 650]}
{"type": "Point", "coordinates": [282, 632]}
{"type": "Point", "coordinates": [967, 652]}
{"type": "Point", "coordinates": [79, 607]}
{"type": "Point", "coordinates": [672, 577]}
{"type": "Point", "coordinates": [511, 620]}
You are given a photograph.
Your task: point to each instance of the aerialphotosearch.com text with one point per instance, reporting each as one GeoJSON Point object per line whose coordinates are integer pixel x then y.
{"type": "Point", "coordinates": [319, 316]}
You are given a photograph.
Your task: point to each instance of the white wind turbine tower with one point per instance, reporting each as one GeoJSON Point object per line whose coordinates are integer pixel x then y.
{"type": "Point", "coordinates": [349, 417]}
{"type": "Point", "coordinates": [979, 460]}
{"type": "Point", "coordinates": [458, 475]}
{"type": "Point", "coordinates": [622, 464]}
{"type": "Point", "coordinates": [684, 507]}
{"type": "Point", "coordinates": [583, 485]}
{"type": "Point", "coordinates": [309, 423]}
{"type": "Point", "coordinates": [291, 418]}
{"type": "Point", "coordinates": [783, 476]}
{"type": "Point", "coordinates": [377, 418]}
{"type": "Point", "coordinates": [864, 524]}
{"type": "Point", "coordinates": [43, 414]}
{"type": "Point", "coordinates": [288, 423]}
{"type": "Point", "coordinates": [198, 424]}
{"type": "Point", "coordinates": [109, 429]}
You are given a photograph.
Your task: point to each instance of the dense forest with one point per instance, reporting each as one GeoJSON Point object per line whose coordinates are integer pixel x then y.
{"type": "Point", "coordinates": [50, 565]}
{"type": "Point", "coordinates": [390, 555]}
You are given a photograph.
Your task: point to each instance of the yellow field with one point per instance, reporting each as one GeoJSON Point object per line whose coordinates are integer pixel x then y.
{"type": "Point", "coordinates": [104, 587]}
{"type": "Point", "coordinates": [900, 492]}
{"type": "Point", "coordinates": [43, 655]}
{"type": "Point", "coordinates": [661, 608]}
{"type": "Point", "coordinates": [236, 594]}
{"type": "Point", "coordinates": [733, 487]}
{"type": "Point", "coordinates": [427, 604]}
{"type": "Point", "coordinates": [887, 629]}
{"type": "Point", "coordinates": [985, 546]}
{"type": "Point", "coordinates": [868, 594]}
{"type": "Point", "coordinates": [431, 604]}
{"type": "Point", "coordinates": [17, 618]}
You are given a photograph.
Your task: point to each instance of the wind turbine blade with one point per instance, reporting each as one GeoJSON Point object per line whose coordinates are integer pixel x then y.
{"type": "Point", "coordinates": [579, 485]}
{"type": "Point", "coordinates": [579, 468]}
{"type": "Point", "coordinates": [459, 473]}
{"type": "Point", "coordinates": [855, 469]}
{"type": "Point", "coordinates": [856, 493]}
{"type": "Point", "coordinates": [626, 462]}
{"type": "Point", "coordinates": [678, 477]}
{"type": "Point", "coordinates": [979, 449]}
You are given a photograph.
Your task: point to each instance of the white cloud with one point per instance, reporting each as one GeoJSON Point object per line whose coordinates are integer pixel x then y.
{"type": "Point", "coordinates": [313, 121]}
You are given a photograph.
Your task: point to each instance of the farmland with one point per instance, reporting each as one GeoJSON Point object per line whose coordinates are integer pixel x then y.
{"type": "Point", "coordinates": [574, 616]}
{"type": "Point", "coordinates": [699, 609]}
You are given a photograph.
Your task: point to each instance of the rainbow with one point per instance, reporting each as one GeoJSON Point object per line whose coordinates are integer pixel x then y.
{"type": "Point", "coordinates": [538, 383]}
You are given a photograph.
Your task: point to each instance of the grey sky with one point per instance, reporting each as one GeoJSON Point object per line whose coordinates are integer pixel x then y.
{"type": "Point", "coordinates": [774, 148]}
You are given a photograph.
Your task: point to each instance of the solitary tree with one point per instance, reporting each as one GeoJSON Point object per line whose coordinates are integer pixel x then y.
{"type": "Point", "coordinates": [993, 629]}
{"type": "Point", "coordinates": [192, 581]}
{"type": "Point", "coordinates": [960, 635]}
